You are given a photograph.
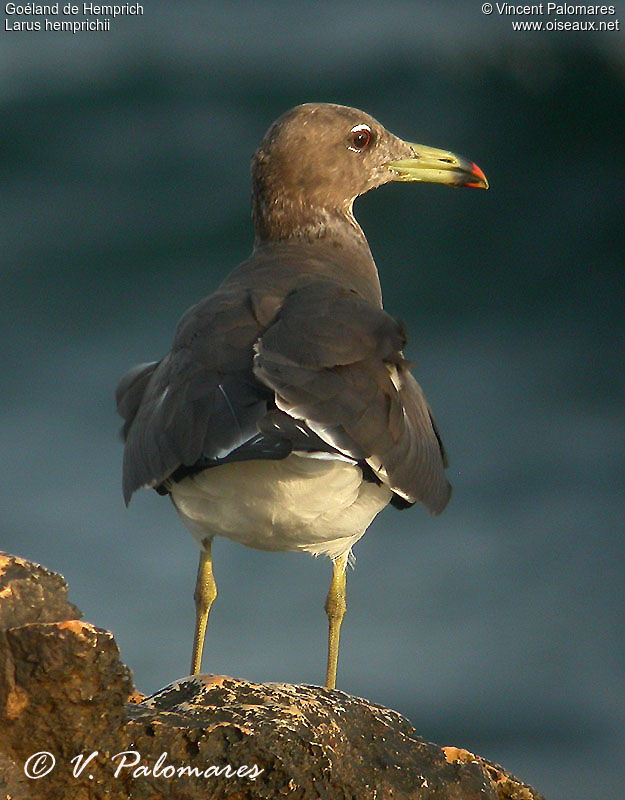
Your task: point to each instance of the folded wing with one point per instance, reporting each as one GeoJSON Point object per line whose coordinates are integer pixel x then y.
{"type": "Point", "coordinates": [324, 374]}
{"type": "Point", "coordinates": [335, 361]}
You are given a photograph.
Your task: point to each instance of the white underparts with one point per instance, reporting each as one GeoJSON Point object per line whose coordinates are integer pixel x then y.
{"type": "Point", "coordinates": [314, 505]}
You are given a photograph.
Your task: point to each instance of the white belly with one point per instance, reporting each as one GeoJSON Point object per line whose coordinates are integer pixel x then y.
{"type": "Point", "coordinates": [316, 505]}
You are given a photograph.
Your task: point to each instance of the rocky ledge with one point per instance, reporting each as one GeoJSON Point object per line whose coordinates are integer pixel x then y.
{"type": "Point", "coordinates": [73, 726]}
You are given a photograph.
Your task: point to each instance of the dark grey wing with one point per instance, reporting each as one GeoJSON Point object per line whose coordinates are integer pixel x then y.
{"type": "Point", "coordinates": [202, 405]}
{"type": "Point", "coordinates": [130, 392]}
{"type": "Point", "coordinates": [201, 401]}
{"type": "Point", "coordinates": [335, 362]}
{"type": "Point", "coordinates": [329, 361]}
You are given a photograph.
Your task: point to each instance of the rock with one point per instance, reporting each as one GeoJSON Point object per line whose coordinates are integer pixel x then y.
{"type": "Point", "coordinates": [64, 694]}
{"type": "Point", "coordinates": [31, 593]}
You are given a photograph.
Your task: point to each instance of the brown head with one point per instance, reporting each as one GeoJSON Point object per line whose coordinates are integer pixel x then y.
{"type": "Point", "coordinates": [318, 157]}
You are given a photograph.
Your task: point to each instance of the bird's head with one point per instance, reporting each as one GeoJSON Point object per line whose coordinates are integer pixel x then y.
{"type": "Point", "coordinates": [318, 157]}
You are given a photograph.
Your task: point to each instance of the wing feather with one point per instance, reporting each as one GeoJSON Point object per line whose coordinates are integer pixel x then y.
{"type": "Point", "coordinates": [335, 361]}
{"type": "Point", "coordinates": [319, 369]}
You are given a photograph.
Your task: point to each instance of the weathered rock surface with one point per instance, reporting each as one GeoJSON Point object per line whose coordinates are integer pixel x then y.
{"type": "Point", "coordinates": [64, 692]}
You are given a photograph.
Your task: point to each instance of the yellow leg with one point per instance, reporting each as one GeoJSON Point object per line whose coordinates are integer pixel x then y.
{"type": "Point", "coordinates": [335, 609]}
{"type": "Point", "coordinates": [204, 595]}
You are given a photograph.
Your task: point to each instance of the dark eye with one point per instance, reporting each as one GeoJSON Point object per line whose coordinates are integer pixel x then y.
{"type": "Point", "coordinates": [360, 138]}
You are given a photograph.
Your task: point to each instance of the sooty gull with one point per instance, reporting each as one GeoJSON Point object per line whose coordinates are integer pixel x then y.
{"type": "Point", "coordinates": [285, 416]}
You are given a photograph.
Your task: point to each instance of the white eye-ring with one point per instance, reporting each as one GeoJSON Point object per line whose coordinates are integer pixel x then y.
{"type": "Point", "coordinates": [360, 138]}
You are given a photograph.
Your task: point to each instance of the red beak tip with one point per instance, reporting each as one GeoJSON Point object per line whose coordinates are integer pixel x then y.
{"type": "Point", "coordinates": [477, 173]}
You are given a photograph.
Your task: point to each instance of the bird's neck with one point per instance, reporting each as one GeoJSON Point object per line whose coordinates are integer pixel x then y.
{"type": "Point", "coordinates": [281, 218]}
{"type": "Point", "coordinates": [327, 243]}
